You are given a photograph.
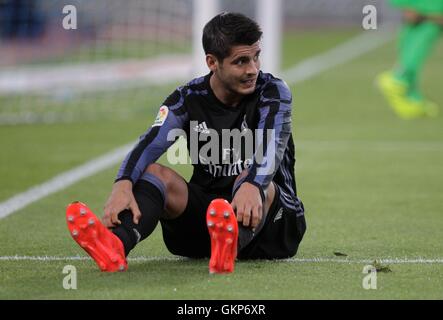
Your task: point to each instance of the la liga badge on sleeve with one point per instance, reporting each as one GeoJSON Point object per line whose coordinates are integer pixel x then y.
{"type": "Point", "coordinates": [161, 116]}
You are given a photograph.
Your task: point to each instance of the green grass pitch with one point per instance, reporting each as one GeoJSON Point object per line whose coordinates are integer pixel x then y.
{"type": "Point", "coordinates": [371, 184]}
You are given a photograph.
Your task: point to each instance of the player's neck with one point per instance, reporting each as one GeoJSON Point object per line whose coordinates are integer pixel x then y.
{"type": "Point", "coordinates": [225, 96]}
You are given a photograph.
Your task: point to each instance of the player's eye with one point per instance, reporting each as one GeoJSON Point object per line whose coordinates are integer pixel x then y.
{"type": "Point", "coordinates": [241, 61]}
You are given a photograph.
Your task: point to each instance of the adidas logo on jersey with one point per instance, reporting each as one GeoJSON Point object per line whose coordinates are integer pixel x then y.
{"type": "Point", "coordinates": [279, 215]}
{"type": "Point", "coordinates": [202, 128]}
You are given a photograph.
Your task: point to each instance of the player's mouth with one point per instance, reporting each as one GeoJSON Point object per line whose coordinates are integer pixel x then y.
{"type": "Point", "coordinates": [248, 83]}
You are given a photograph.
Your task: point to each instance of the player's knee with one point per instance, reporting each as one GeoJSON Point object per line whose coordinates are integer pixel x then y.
{"type": "Point", "coordinates": [269, 197]}
{"type": "Point", "coordinates": [166, 175]}
{"type": "Point", "coordinates": [155, 169]}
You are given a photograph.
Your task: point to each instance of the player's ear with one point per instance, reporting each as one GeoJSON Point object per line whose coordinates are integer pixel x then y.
{"type": "Point", "coordinates": [211, 62]}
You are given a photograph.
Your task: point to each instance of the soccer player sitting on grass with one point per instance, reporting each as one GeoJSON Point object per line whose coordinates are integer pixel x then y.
{"type": "Point", "coordinates": [423, 22]}
{"type": "Point", "coordinates": [266, 220]}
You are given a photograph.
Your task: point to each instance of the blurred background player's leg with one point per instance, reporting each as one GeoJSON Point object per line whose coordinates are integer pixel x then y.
{"type": "Point", "coordinates": [417, 38]}
{"type": "Point", "coordinates": [416, 45]}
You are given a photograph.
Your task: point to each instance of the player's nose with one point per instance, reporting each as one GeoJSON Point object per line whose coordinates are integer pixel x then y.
{"type": "Point", "coordinates": [253, 68]}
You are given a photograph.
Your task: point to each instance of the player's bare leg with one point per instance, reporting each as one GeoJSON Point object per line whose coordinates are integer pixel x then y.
{"type": "Point", "coordinates": [175, 187]}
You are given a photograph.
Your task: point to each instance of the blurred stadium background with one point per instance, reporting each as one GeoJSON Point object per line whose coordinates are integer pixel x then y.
{"type": "Point", "coordinates": [49, 74]}
{"type": "Point", "coordinates": [70, 99]}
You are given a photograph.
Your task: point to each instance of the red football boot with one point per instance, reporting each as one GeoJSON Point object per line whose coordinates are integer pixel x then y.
{"type": "Point", "coordinates": [101, 244]}
{"type": "Point", "coordinates": [223, 230]}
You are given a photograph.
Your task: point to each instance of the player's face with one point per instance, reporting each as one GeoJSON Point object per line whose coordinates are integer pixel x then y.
{"type": "Point", "coordinates": [238, 72]}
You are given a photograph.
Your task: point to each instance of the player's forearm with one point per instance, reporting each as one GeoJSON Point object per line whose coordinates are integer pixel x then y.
{"type": "Point", "coordinates": [172, 115]}
{"type": "Point", "coordinates": [123, 185]}
{"type": "Point", "coordinates": [133, 165]}
{"type": "Point", "coordinates": [150, 147]}
{"type": "Point", "coordinates": [265, 166]}
{"type": "Point", "coordinates": [276, 127]}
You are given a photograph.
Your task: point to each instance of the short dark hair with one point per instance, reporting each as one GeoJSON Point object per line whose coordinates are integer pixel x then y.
{"type": "Point", "coordinates": [229, 29]}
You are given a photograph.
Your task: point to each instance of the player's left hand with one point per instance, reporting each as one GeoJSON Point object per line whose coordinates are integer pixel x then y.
{"type": "Point", "coordinates": [248, 205]}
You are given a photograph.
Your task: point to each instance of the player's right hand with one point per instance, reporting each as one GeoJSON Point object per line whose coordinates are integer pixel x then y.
{"type": "Point", "coordinates": [248, 205]}
{"type": "Point", "coordinates": [121, 198]}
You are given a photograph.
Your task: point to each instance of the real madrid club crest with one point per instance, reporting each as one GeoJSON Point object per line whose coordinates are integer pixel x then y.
{"type": "Point", "coordinates": [244, 125]}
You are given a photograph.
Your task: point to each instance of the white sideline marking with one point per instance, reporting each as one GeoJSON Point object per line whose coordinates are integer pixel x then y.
{"type": "Point", "coordinates": [63, 180]}
{"type": "Point", "coordinates": [295, 260]}
{"type": "Point", "coordinates": [345, 52]}
{"type": "Point", "coordinates": [349, 50]}
{"type": "Point", "coordinates": [80, 258]}
{"type": "Point", "coordinates": [95, 75]}
{"type": "Point", "coordinates": [94, 166]}
{"type": "Point", "coordinates": [367, 261]}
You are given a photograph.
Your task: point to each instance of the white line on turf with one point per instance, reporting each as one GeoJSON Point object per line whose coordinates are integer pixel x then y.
{"type": "Point", "coordinates": [80, 258]}
{"type": "Point", "coordinates": [307, 69]}
{"type": "Point", "coordinates": [345, 52]}
{"type": "Point", "coordinates": [94, 76]}
{"type": "Point", "coordinates": [419, 260]}
{"type": "Point", "coordinates": [94, 166]}
{"type": "Point", "coordinates": [63, 181]}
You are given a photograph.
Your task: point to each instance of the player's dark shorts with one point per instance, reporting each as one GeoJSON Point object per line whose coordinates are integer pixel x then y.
{"type": "Point", "coordinates": [279, 237]}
